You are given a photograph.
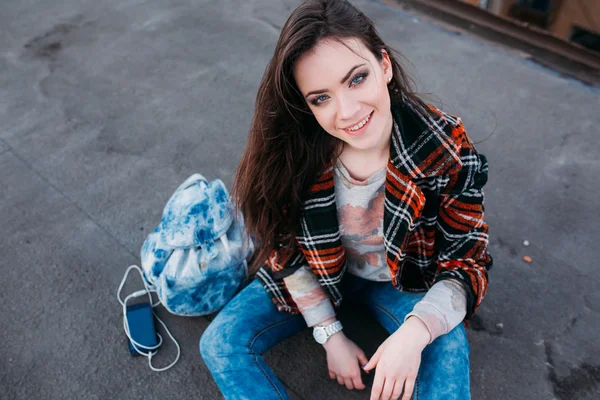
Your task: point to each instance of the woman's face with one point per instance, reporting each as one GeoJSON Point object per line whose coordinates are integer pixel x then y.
{"type": "Point", "coordinates": [347, 93]}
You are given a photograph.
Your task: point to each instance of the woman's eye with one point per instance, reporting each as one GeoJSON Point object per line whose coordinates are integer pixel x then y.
{"type": "Point", "coordinates": [358, 79]}
{"type": "Point", "coordinates": [318, 100]}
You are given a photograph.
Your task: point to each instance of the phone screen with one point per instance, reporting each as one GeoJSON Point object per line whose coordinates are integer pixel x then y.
{"type": "Point", "coordinates": [141, 326]}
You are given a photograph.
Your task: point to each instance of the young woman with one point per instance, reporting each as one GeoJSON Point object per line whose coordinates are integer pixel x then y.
{"type": "Point", "coordinates": [356, 189]}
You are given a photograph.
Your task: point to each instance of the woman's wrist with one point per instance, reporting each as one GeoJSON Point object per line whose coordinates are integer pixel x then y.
{"type": "Point", "coordinates": [334, 340]}
{"type": "Point", "coordinates": [336, 337]}
{"type": "Point", "coordinates": [417, 330]}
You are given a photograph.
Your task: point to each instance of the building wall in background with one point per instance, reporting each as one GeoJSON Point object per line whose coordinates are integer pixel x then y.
{"type": "Point", "coordinates": [562, 18]}
{"type": "Point", "coordinates": [576, 13]}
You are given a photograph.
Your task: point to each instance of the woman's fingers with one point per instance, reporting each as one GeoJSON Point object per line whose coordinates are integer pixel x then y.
{"type": "Point", "coordinates": [377, 386]}
{"type": "Point", "coordinates": [349, 383]}
{"type": "Point", "coordinates": [362, 358]}
{"type": "Point", "coordinates": [409, 387]}
{"type": "Point", "coordinates": [388, 389]}
{"type": "Point", "coordinates": [358, 384]}
{"type": "Point", "coordinates": [340, 380]}
{"type": "Point", "coordinates": [332, 375]}
{"type": "Point", "coordinates": [372, 363]}
{"type": "Point", "coordinates": [398, 390]}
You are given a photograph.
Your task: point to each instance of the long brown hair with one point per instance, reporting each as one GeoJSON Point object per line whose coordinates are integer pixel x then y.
{"type": "Point", "coordinates": [287, 148]}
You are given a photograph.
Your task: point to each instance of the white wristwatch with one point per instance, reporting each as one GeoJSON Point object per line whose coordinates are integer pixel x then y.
{"type": "Point", "coordinates": [322, 333]}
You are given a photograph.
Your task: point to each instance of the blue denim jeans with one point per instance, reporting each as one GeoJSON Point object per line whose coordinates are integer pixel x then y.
{"type": "Point", "coordinates": [233, 344]}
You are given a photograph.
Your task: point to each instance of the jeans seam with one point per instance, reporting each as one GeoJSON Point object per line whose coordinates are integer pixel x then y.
{"type": "Point", "coordinates": [262, 371]}
{"type": "Point", "coordinates": [389, 314]}
{"type": "Point", "coordinates": [255, 357]}
{"type": "Point", "coordinates": [268, 327]}
{"type": "Point", "coordinates": [417, 393]}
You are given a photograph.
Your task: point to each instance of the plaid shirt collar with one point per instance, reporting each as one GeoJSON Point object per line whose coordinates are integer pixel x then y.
{"type": "Point", "coordinates": [414, 137]}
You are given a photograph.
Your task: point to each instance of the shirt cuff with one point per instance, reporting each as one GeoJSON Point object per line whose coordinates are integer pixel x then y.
{"type": "Point", "coordinates": [442, 309]}
{"type": "Point", "coordinates": [318, 313]}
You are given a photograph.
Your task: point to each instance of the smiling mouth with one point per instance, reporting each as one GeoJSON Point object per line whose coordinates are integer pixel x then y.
{"type": "Point", "coordinates": [354, 129]}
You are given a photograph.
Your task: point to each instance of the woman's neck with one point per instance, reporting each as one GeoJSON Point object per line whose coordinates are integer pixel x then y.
{"type": "Point", "coordinates": [361, 164]}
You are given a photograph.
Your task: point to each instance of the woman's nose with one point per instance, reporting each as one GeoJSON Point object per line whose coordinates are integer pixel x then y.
{"type": "Point", "coordinates": [348, 109]}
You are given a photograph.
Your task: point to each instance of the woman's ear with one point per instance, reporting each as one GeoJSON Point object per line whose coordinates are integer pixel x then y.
{"type": "Point", "coordinates": [387, 65]}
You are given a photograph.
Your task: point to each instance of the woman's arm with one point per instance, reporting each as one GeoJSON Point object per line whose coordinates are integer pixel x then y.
{"type": "Point", "coordinates": [462, 234]}
{"type": "Point", "coordinates": [462, 257]}
{"type": "Point", "coordinates": [344, 357]}
{"type": "Point", "coordinates": [309, 296]}
{"type": "Point", "coordinates": [442, 309]}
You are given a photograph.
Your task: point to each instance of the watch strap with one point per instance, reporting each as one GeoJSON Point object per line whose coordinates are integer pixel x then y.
{"type": "Point", "coordinates": [328, 330]}
{"type": "Point", "coordinates": [333, 328]}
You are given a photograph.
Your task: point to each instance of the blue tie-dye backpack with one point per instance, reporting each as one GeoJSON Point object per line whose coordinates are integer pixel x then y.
{"type": "Point", "coordinates": [196, 259]}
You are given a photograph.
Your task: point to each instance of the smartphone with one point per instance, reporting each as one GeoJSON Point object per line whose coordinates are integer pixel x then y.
{"type": "Point", "coordinates": [141, 326]}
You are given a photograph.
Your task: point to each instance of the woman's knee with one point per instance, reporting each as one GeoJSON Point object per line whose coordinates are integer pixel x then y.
{"type": "Point", "coordinates": [452, 347]}
{"type": "Point", "coordinates": [208, 343]}
{"type": "Point", "coordinates": [444, 372]}
{"type": "Point", "coordinates": [249, 325]}
{"type": "Point", "coordinates": [218, 342]}
{"type": "Point", "coordinates": [225, 334]}
{"type": "Point", "coordinates": [458, 337]}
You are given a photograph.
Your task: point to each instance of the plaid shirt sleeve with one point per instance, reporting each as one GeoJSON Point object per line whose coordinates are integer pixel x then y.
{"type": "Point", "coordinates": [284, 264]}
{"type": "Point", "coordinates": [462, 234]}
{"type": "Point", "coordinates": [279, 265]}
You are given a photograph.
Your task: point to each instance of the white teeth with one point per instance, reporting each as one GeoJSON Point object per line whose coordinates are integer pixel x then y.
{"type": "Point", "coordinates": [360, 124]}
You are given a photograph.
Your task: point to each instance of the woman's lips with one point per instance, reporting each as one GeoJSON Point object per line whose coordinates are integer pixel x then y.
{"type": "Point", "coordinates": [362, 129]}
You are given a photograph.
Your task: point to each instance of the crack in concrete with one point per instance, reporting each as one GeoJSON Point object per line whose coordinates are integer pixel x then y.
{"type": "Point", "coordinates": [48, 47]}
{"type": "Point", "coordinates": [276, 28]}
{"type": "Point", "coordinates": [504, 245]}
{"type": "Point", "coordinates": [567, 137]}
{"type": "Point", "coordinates": [589, 305]}
{"type": "Point", "coordinates": [477, 324]}
{"type": "Point", "coordinates": [581, 380]}
{"type": "Point", "coordinates": [4, 147]}
{"type": "Point", "coordinates": [70, 201]}
{"type": "Point", "coordinates": [50, 43]}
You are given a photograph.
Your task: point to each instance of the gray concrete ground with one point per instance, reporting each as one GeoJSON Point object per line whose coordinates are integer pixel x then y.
{"type": "Point", "coordinates": [106, 106]}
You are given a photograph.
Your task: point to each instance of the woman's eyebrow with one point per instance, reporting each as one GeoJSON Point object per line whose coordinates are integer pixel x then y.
{"type": "Point", "coordinates": [344, 79]}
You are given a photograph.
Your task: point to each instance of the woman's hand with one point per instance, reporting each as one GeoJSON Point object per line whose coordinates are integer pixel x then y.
{"type": "Point", "coordinates": [398, 360]}
{"type": "Point", "coordinates": [344, 359]}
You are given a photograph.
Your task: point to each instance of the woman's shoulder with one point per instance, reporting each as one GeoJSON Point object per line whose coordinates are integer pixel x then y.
{"type": "Point", "coordinates": [452, 125]}
{"type": "Point", "coordinates": [432, 134]}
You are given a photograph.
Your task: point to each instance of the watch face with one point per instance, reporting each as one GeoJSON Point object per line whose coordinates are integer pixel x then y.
{"type": "Point", "coordinates": [320, 335]}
